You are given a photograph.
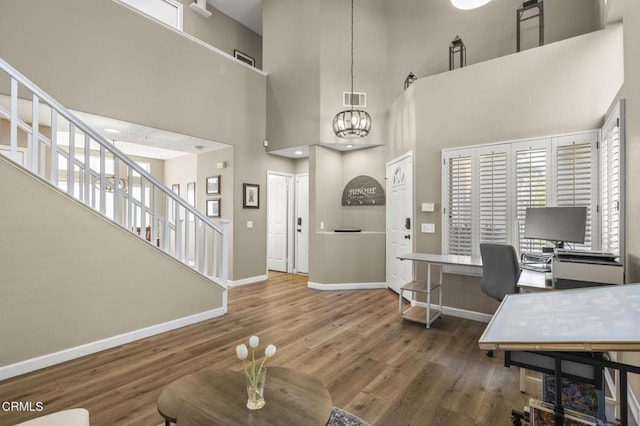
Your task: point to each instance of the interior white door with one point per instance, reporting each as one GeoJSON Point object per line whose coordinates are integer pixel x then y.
{"type": "Point", "coordinates": [399, 221]}
{"type": "Point", "coordinates": [277, 199]}
{"type": "Point", "coordinates": [302, 224]}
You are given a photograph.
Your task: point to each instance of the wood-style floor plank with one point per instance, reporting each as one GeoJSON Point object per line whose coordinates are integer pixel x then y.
{"type": "Point", "coordinates": [376, 365]}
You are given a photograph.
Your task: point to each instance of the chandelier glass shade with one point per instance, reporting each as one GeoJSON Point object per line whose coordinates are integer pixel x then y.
{"type": "Point", "coordinates": [352, 123]}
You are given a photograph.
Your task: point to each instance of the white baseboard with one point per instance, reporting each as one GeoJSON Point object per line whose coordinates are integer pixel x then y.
{"type": "Point", "coordinates": [48, 360]}
{"type": "Point", "coordinates": [460, 313]}
{"type": "Point", "coordinates": [346, 286]}
{"type": "Point", "coordinates": [246, 281]}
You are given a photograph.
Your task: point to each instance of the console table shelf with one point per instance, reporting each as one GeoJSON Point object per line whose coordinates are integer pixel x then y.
{"type": "Point", "coordinates": [419, 314]}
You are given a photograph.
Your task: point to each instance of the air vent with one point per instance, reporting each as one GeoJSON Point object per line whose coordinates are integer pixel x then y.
{"type": "Point", "coordinates": [354, 98]}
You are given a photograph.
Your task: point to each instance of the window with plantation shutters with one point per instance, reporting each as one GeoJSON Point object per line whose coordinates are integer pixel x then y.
{"type": "Point", "coordinates": [459, 208]}
{"type": "Point", "coordinates": [531, 188]}
{"type": "Point", "coordinates": [487, 189]}
{"type": "Point", "coordinates": [575, 179]}
{"type": "Point", "coordinates": [493, 203]}
{"type": "Point", "coordinates": [611, 182]}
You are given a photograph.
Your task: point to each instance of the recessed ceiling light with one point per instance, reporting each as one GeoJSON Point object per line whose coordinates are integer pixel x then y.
{"type": "Point", "coordinates": [469, 4]}
{"type": "Point", "coordinates": [112, 131]}
{"type": "Point", "coordinates": [298, 153]}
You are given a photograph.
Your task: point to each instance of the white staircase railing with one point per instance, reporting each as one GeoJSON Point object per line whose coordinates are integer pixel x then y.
{"type": "Point", "coordinates": [52, 143]}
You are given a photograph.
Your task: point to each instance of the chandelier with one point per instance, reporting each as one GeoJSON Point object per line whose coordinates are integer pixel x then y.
{"type": "Point", "coordinates": [352, 123]}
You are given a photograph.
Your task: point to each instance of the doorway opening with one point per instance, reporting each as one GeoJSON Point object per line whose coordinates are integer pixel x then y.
{"type": "Point", "coordinates": [287, 222]}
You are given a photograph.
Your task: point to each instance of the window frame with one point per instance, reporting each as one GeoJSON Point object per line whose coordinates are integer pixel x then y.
{"type": "Point", "coordinates": [177, 5]}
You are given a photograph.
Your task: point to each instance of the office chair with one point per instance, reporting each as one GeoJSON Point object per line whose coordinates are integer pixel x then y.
{"type": "Point", "coordinates": [500, 271]}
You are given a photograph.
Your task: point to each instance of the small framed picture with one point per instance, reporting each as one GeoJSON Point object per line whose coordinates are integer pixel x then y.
{"type": "Point", "coordinates": [213, 185]}
{"type": "Point", "coordinates": [176, 188]}
{"type": "Point", "coordinates": [251, 196]}
{"type": "Point", "coordinates": [213, 208]}
{"type": "Point", "coordinates": [191, 193]}
{"type": "Point", "coordinates": [244, 58]}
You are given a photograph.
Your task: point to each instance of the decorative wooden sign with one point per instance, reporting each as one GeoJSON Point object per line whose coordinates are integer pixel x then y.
{"type": "Point", "coordinates": [363, 190]}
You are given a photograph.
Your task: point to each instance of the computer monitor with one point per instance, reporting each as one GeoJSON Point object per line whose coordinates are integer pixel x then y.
{"type": "Point", "coordinates": [558, 225]}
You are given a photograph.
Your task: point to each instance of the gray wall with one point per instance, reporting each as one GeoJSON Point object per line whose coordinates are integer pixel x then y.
{"type": "Point", "coordinates": [222, 32]}
{"type": "Point", "coordinates": [65, 270]}
{"type": "Point", "coordinates": [420, 32]}
{"type": "Point", "coordinates": [337, 258]}
{"type": "Point", "coordinates": [291, 51]}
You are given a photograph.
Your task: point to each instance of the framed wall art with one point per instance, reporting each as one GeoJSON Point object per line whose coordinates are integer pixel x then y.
{"type": "Point", "coordinates": [213, 208]}
{"type": "Point", "coordinates": [213, 185]}
{"type": "Point", "coordinates": [250, 196]}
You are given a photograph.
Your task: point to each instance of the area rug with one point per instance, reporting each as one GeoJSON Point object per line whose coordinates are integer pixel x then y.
{"type": "Point", "coordinates": [338, 418]}
{"type": "Point", "coordinates": [342, 418]}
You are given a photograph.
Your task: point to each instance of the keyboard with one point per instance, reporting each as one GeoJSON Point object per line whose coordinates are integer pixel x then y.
{"type": "Point", "coordinates": [593, 254]}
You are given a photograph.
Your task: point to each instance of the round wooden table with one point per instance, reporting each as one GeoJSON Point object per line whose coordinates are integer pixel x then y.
{"type": "Point", "coordinates": [212, 397]}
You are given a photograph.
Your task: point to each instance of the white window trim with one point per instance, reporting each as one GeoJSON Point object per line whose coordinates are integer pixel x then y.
{"type": "Point", "coordinates": [174, 3]}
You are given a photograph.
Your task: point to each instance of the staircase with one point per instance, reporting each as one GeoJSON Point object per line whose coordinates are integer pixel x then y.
{"type": "Point", "coordinates": [49, 141]}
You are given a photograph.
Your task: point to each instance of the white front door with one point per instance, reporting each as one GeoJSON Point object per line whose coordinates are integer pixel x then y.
{"type": "Point", "coordinates": [302, 224]}
{"type": "Point", "coordinates": [399, 221]}
{"type": "Point", "coordinates": [277, 237]}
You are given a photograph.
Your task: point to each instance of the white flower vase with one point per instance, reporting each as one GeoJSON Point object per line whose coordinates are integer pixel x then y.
{"type": "Point", "coordinates": [255, 389]}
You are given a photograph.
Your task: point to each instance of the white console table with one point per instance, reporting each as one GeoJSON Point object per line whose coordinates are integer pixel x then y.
{"type": "Point", "coordinates": [428, 314]}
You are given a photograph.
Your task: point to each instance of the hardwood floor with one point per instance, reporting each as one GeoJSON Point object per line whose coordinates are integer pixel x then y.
{"type": "Point", "coordinates": [377, 366]}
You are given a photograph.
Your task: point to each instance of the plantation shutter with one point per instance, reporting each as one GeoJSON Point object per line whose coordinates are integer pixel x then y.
{"type": "Point", "coordinates": [459, 205]}
{"type": "Point", "coordinates": [492, 204]}
{"type": "Point", "coordinates": [610, 185]}
{"type": "Point", "coordinates": [531, 188]}
{"type": "Point", "coordinates": [575, 178]}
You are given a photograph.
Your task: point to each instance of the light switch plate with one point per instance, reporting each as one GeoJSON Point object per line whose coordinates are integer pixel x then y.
{"type": "Point", "coordinates": [249, 224]}
{"type": "Point", "coordinates": [428, 228]}
{"type": "Point", "coordinates": [428, 207]}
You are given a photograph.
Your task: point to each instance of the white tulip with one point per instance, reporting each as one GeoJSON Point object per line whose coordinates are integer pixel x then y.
{"type": "Point", "coordinates": [254, 341]}
{"type": "Point", "coordinates": [242, 352]}
{"type": "Point", "coordinates": [270, 351]}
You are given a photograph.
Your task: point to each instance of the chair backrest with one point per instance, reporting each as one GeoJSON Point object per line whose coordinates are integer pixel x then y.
{"type": "Point", "coordinates": [500, 270]}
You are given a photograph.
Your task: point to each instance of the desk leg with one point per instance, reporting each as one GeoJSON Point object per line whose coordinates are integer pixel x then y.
{"type": "Point", "coordinates": [441, 288]}
{"type": "Point", "coordinates": [428, 295]}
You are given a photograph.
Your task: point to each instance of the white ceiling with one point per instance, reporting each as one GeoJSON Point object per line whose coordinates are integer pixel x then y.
{"type": "Point", "coordinates": [134, 139]}
{"type": "Point", "coordinates": [247, 12]}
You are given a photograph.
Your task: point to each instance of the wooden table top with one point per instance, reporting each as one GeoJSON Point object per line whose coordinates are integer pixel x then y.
{"type": "Point", "coordinates": [211, 397]}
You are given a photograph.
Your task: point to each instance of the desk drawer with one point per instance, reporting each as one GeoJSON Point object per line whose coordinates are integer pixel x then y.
{"type": "Point", "coordinates": [609, 274]}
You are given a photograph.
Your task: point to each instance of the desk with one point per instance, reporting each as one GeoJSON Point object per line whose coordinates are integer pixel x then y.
{"type": "Point", "coordinates": [534, 281]}
{"type": "Point", "coordinates": [415, 313]}
{"type": "Point", "coordinates": [594, 319]}
{"type": "Point", "coordinates": [211, 396]}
